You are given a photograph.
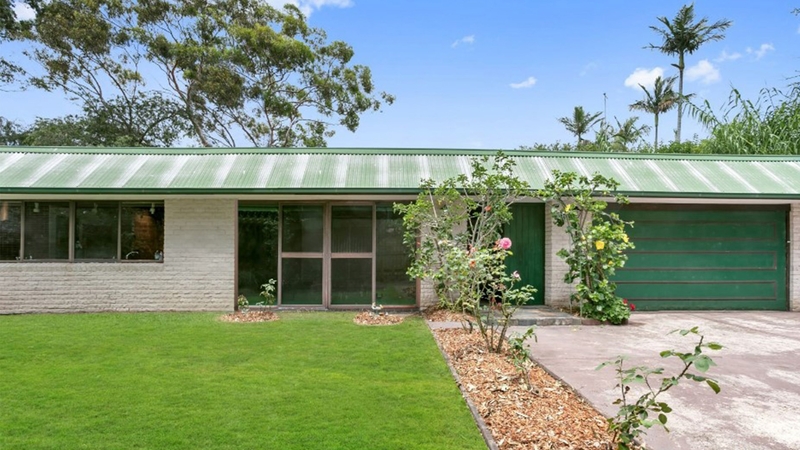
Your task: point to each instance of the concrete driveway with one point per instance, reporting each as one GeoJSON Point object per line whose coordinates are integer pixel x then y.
{"type": "Point", "coordinates": [758, 371]}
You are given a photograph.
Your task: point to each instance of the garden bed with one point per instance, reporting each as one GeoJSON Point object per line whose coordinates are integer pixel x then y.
{"type": "Point", "coordinates": [371, 318]}
{"type": "Point", "coordinates": [250, 316]}
{"type": "Point", "coordinates": [551, 416]}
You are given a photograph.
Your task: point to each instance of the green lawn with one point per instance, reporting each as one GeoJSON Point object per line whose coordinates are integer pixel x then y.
{"type": "Point", "coordinates": [176, 380]}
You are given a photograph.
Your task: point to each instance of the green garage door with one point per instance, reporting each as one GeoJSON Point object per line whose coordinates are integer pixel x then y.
{"type": "Point", "coordinates": [526, 231]}
{"type": "Point", "coordinates": [705, 259]}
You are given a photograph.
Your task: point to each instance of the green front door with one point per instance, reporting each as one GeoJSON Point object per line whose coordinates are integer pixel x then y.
{"type": "Point", "coordinates": [709, 258]}
{"type": "Point", "coordinates": [526, 231]}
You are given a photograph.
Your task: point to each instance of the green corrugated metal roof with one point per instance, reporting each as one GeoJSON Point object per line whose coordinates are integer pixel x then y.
{"type": "Point", "coordinates": [137, 170]}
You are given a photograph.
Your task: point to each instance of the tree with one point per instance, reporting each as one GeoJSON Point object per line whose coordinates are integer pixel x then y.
{"type": "Point", "coordinates": [628, 133]}
{"type": "Point", "coordinates": [221, 70]}
{"type": "Point", "coordinates": [662, 99]}
{"type": "Point", "coordinates": [11, 28]}
{"type": "Point", "coordinates": [684, 35]}
{"type": "Point", "coordinates": [580, 123]}
{"type": "Point", "coordinates": [453, 231]}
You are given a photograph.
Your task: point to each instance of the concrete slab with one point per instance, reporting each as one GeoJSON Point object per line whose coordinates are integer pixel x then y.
{"type": "Point", "coordinates": [758, 371]}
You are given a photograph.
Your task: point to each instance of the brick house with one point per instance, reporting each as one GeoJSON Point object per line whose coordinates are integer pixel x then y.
{"type": "Point", "coordinates": [88, 229]}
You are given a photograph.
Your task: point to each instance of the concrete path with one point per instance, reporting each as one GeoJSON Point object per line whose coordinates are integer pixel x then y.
{"type": "Point", "coordinates": [758, 371]}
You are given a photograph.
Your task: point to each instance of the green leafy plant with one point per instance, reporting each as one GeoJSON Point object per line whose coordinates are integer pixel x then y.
{"type": "Point", "coordinates": [243, 303]}
{"type": "Point", "coordinates": [268, 292]}
{"type": "Point", "coordinates": [634, 418]}
{"type": "Point", "coordinates": [453, 233]}
{"type": "Point", "coordinates": [521, 356]}
{"type": "Point", "coordinates": [597, 241]}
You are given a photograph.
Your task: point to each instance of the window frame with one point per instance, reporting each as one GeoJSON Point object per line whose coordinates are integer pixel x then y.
{"type": "Point", "coordinates": [73, 208]}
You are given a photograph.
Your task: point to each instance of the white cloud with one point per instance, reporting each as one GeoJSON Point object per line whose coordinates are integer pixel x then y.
{"type": "Point", "coordinates": [703, 71]}
{"type": "Point", "coordinates": [464, 40]}
{"type": "Point", "coordinates": [643, 77]}
{"type": "Point", "coordinates": [24, 12]}
{"type": "Point", "coordinates": [309, 6]}
{"type": "Point", "coordinates": [725, 56]}
{"type": "Point", "coordinates": [529, 82]}
{"type": "Point", "coordinates": [761, 51]}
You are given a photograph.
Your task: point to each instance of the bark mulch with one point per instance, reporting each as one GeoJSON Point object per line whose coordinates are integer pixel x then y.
{"type": "Point", "coordinates": [250, 316]}
{"type": "Point", "coordinates": [443, 315]}
{"type": "Point", "coordinates": [551, 416]}
{"type": "Point", "coordinates": [370, 318]}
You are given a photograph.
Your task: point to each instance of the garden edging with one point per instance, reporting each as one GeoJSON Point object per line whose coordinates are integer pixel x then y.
{"type": "Point", "coordinates": [485, 432]}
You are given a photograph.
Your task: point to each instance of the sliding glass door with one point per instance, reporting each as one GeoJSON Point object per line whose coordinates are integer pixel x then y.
{"type": "Point", "coordinates": [326, 254]}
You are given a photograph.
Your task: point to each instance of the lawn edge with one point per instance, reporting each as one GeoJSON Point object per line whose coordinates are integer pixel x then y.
{"type": "Point", "coordinates": [485, 432]}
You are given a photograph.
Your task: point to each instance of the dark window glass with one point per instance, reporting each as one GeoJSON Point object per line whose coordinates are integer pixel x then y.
{"type": "Point", "coordinates": [10, 230]}
{"type": "Point", "coordinates": [351, 281]}
{"type": "Point", "coordinates": [46, 230]}
{"type": "Point", "coordinates": [142, 233]}
{"type": "Point", "coordinates": [393, 286]}
{"type": "Point", "coordinates": [351, 229]}
{"type": "Point", "coordinates": [96, 230]}
{"type": "Point", "coordinates": [302, 228]}
{"type": "Point", "coordinates": [302, 281]}
{"type": "Point", "coordinates": [258, 249]}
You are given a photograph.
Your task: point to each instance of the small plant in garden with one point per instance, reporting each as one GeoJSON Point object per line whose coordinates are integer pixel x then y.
{"type": "Point", "coordinates": [268, 292]}
{"type": "Point", "coordinates": [634, 418]}
{"type": "Point", "coordinates": [597, 241]}
{"type": "Point", "coordinates": [521, 356]}
{"type": "Point", "coordinates": [244, 305]}
{"type": "Point", "coordinates": [453, 232]}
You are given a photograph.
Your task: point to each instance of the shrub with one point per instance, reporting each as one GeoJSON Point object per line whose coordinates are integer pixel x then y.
{"type": "Point", "coordinates": [597, 241]}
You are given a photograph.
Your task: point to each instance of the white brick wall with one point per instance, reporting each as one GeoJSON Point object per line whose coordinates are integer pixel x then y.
{"type": "Point", "coordinates": [556, 291]}
{"type": "Point", "coordinates": [197, 272]}
{"type": "Point", "coordinates": [794, 257]}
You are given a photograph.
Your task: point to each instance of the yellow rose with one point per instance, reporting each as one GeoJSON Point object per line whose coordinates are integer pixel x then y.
{"type": "Point", "coordinates": [599, 245]}
{"type": "Point", "coordinates": [568, 207]}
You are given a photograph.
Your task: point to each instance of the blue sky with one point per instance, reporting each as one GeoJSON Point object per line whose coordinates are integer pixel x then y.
{"type": "Point", "coordinates": [481, 74]}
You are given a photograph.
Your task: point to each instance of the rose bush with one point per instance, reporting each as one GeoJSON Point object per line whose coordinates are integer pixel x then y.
{"type": "Point", "coordinates": [597, 241]}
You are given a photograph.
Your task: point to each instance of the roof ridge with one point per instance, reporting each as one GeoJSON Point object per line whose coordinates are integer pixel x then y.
{"type": "Point", "coordinates": [372, 151]}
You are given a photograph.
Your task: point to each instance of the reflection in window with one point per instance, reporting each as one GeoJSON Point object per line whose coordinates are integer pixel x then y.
{"type": "Point", "coordinates": [351, 281]}
{"type": "Point", "coordinates": [351, 229]}
{"type": "Point", "coordinates": [142, 231]}
{"type": "Point", "coordinates": [392, 259]}
{"type": "Point", "coordinates": [96, 230]}
{"type": "Point", "coordinates": [302, 228]}
{"type": "Point", "coordinates": [46, 230]}
{"type": "Point", "coordinates": [302, 281]}
{"type": "Point", "coordinates": [10, 230]}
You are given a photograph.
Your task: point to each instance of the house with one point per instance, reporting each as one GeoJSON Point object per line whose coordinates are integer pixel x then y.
{"type": "Point", "coordinates": [95, 229]}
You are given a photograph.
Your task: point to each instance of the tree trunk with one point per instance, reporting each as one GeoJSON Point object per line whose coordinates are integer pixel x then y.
{"type": "Point", "coordinates": [680, 99]}
{"type": "Point", "coordinates": [655, 144]}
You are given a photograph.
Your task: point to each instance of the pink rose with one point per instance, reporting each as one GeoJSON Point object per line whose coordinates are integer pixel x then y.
{"type": "Point", "coordinates": [504, 243]}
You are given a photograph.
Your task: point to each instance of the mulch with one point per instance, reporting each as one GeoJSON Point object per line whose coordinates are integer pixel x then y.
{"type": "Point", "coordinates": [371, 318]}
{"type": "Point", "coordinates": [250, 316]}
{"type": "Point", "coordinates": [551, 416]}
{"type": "Point", "coordinates": [444, 315]}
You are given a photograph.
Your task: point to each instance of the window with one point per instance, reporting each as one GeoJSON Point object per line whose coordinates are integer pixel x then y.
{"type": "Point", "coordinates": [46, 230]}
{"type": "Point", "coordinates": [10, 234]}
{"type": "Point", "coordinates": [81, 231]}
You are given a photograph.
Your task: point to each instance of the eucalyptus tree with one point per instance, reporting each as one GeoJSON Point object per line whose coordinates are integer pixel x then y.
{"type": "Point", "coordinates": [215, 71]}
{"type": "Point", "coordinates": [662, 99]}
{"type": "Point", "coordinates": [683, 35]}
{"type": "Point", "coordinates": [11, 27]}
{"type": "Point", "coordinates": [580, 123]}
{"type": "Point", "coordinates": [628, 133]}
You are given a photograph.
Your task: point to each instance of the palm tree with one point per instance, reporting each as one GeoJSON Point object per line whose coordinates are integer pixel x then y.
{"type": "Point", "coordinates": [683, 35]}
{"type": "Point", "coordinates": [580, 123]}
{"type": "Point", "coordinates": [628, 132]}
{"type": "Point", "coordinates": [662, 99]}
